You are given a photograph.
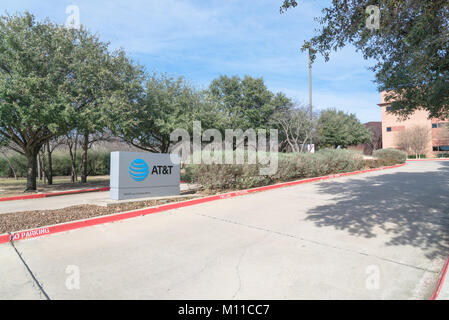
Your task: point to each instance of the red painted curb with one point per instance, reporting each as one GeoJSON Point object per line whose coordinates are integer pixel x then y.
{"type": "Point", "coordinates": [440, 281]}
{"type": "Point", "coordinates": [435, 159]}
{"type": "Point", "coordinates": [31, 196]}
{"type": "Point", "coordinates": [38, 232]}
{"type": "Point", "coordinates": [53, 194]}
{"type": "Point", "coordinates": [4, 238]}
{"type": "Point", "coordinates": [62, 193]}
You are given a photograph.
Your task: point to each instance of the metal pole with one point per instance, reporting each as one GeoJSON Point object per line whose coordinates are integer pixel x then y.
{"type": "Point", "coordinates": [310, 92]}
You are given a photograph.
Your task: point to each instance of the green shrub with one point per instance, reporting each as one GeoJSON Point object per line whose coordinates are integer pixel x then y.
{"type": "Point", "coordinates": [227, 176]}
{"type": "Point", "coordinates": [291, 166]}
{"type": "Point", "coordinates": [389, 157]}
{"type": "Point", "coordinates": [98, 163]}
{"type": "Point", "coordinates": [62, 164]}
{"type": "Point", "coordinates": [422, 156]}
{"type": "Point", "coordinates": [372, 163]}
{"type": "Point", "coordinates": [443, 155]}
{"type": "Point", "coordinates": [19, 163]}
{"type": "Point", "coordinates": [340, 160]}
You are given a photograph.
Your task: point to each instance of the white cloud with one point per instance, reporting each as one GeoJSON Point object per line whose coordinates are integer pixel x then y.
{"type": "Point", "coordinates": [202, 39]}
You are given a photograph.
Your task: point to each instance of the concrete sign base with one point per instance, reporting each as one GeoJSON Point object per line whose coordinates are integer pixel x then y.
{"type": "Point", "coordinates": [142, 174]}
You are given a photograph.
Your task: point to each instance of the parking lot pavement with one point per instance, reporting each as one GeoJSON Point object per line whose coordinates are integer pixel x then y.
{"type": "Point", "coordinates": [379, 235]}
{"type": "Point", "coordinates": [15, 281]}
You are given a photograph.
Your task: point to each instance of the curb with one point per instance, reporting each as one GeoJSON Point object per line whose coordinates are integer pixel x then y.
{"type": "Point", "coordinates": [440, 282]}
{"type": "Point", "coordinates": [42, 231]}
{"type": "Point", "coordinates": [53, 194]}
{"type": "Point", "coordinates": [433, 159]}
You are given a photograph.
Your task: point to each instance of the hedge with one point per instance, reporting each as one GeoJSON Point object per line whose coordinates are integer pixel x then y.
{"type": "Point", "coordinates": [388, 157]}
{"type": "Point", "coordinates": [412, 156]}
{"type": "Point", "coordinates": [97, 164]}
{"type": "Point", "coordinates": [290, 167]}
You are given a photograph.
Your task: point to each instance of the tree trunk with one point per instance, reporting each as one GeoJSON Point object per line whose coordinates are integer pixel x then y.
{"type": "Point", "coordinates": [84, 158]}
{"type": "Point", "coordinates": [73, 160]}
{"type": "Point", "coordinates": [32, 170]}
{"type": "Point", "coordinates": [75, 147]}
{"type": "Point", "coordinates": [50, 166]}
{"type": "Point", "coordinates": [39, 167]}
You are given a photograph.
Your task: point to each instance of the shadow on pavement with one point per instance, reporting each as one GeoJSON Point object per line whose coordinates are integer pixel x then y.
{"type": "Point", "coordinates": [412, 207]}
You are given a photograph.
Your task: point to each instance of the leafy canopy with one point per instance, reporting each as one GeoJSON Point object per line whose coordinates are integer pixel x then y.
{"type": "Point", "coordinates": [101, 85]}
{"type": "Point", "coordinates": [34, 70]}
{"type": "Point", "coordinates": [411, 47]}
{"type": "Point", "coordinates": [337, 128]}
{"type": "Point", "coordinates": [246, 103]}
{"type": "Point", "coordinates": [166, 104]}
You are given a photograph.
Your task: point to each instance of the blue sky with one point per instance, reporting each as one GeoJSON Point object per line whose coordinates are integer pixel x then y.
{"type": "Point", "coordinates": [202, 39]}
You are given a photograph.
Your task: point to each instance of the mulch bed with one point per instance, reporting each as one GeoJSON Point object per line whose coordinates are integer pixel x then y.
{"type": "Point", "coordinates": [17, 221]}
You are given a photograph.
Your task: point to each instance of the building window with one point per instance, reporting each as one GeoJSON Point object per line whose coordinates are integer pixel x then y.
{"type": "Point", "coordinates": [388, 108]}
{"type": "Point", "coordinates": [389, 129]}
{"type": "Point", "coordinates": [435, 148]}
{"type": "Point", "coordinates": [444, 148]}
{"type": "Point", "coordinates": [442, 125]}
{"type": "Point", "coordinates": [434, 125]}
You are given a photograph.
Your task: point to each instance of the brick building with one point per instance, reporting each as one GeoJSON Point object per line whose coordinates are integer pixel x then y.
{"type": "Point", "coordinates": [391, 125]}
{"type": "Point", "coordinates": [376, 141]}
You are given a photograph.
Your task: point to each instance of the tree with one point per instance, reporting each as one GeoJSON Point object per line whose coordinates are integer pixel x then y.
{"type": "Point", "coordinates": [403, 141]}
{"type": "Point", "coordinates": [296, 127]}
{"type": "Point", "coordinates": [247, 103]}
{"type": "Point", "coordinates": [4, 152]}
{"type": "Point", "coordinates": [411, 48]}
{"type": "Point", "coordinates": [376, 140]}
{"type": "Point", "coordinates": [54, 80]}
{"type": "Point", "coordinates": [71, 141]}
{"type": "Point", "coordinates": [414, 140]}
{"type": "Point", "coordinates": [101, 83]}
{"type": "Point", "coordinates": [46, 156]}
{"type": "Point", "coordinates": [34, 67]}
{"type": "Point", "coordinates": [336, 128]}
{"type": "Point", "coordinates": [167, 104]}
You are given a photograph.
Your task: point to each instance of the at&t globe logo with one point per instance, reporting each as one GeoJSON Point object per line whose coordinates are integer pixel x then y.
{"type": "Point", "coordinates": [138, 170]}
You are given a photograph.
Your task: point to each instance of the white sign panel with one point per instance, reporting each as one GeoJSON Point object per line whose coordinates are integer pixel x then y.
{"type": "Point", "coordinates": [143, 174]}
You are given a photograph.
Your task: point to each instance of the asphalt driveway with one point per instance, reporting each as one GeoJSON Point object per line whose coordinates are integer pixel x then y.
{"type": "Point", "coordinates": [379, 235]}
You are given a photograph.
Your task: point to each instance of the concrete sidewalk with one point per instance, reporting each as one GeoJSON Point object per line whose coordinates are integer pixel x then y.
{"type": "Point", "coordinates": [64, 201]}
{"type": "Point", "coordinates": [380, 235]}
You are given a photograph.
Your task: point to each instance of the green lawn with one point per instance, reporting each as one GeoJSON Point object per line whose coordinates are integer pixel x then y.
{"type": "Point", "coordinates": [11, 186]}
